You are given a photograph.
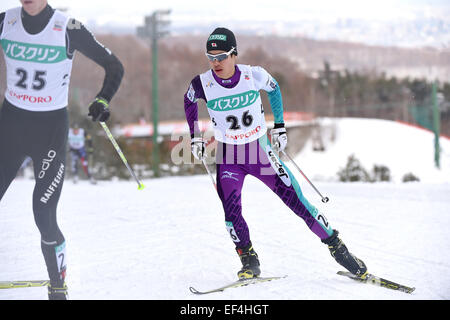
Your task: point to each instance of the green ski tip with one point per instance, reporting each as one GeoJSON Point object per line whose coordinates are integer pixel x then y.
{"type": "Point", "coordinates": [141, 187]}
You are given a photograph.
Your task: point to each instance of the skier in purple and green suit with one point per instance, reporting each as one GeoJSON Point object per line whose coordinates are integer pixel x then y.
{"type": "Point", "coordinates": [232, 95]}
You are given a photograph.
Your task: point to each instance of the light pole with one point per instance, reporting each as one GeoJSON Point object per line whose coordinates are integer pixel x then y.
{"type": "Point", "coordinates": [155, 28]}
{"type": "Point", "coordinates": [436, 125]}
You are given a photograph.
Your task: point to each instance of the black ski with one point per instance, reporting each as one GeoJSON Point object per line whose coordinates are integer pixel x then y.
{"type": "Point", "coordinates": [236, 284]}
{"type": "Point", "coordinates": [380, 282]}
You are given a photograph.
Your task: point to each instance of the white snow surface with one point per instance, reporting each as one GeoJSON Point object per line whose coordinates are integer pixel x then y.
{"type": "Point", "coordinates": [154, 244]}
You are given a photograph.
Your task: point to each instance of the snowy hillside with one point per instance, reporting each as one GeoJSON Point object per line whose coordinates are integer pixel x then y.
{"type": "Point", "coordinates": [401, 148]}
{"type": "Point", "coordinates": [153, 244]}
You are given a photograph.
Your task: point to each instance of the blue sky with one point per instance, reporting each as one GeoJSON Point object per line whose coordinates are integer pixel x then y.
{"type": "Point", "coordinates": [131, 12]}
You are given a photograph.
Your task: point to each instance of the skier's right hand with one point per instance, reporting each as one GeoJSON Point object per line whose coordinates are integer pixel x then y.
{"type": "Point", "coordinates": [198, 148]}
{"type": "Point", "coordinates": [279, 138]}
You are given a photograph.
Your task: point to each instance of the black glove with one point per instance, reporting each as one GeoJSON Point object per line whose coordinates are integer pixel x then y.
{"type": "Point", "coordinates": [99, 110]}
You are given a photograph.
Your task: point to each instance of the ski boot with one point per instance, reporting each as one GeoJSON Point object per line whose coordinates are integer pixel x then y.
{"type": "Point", "coordinates": [250, 262]}
{"type": "Point", "coordinates": [92, 180]}
{"type": "Point", "coordinates": [57, 292]}
{"type": "Point", "coordinates": [342, 256]}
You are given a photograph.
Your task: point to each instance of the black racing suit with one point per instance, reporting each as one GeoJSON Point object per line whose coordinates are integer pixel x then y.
{"type": "Point", "coordinates": [43, 137]}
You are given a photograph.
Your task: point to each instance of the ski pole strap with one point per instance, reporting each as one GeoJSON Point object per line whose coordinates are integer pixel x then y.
{"type": "Point", "coordinates": [103, 102]}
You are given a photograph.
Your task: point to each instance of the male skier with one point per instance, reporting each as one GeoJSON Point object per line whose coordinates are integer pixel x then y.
{"type": "Point", "coordinates": [39, 44]}
{"type": "Point", "coordinates": [77, 148]}
{"type": "Point", "coordinates": [231, 93]}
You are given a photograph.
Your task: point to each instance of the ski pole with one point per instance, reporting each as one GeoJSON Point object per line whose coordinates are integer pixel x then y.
{"type": "Point", "coordinates": [324, 199]}
{"type": "Point", "coordinates": [209, 173]}
{"type": "Point", "coordinates": [119, 151]}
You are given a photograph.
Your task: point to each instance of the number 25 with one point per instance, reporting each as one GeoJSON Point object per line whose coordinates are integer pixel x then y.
{"type": "Point", "coordinates": [38, 81]}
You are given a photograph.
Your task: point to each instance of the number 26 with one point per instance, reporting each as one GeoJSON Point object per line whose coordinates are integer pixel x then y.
{"type": "Point", "coordinates": [247, 120]}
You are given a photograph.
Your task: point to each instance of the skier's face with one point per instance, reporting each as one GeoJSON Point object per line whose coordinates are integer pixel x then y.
{"type": "Point", "coordinates": [33, 7]}
{"type": "Point", "coordinates": [223, 69]}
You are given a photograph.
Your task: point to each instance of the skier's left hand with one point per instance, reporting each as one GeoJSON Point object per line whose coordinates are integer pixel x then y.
{"type": "Point", "coordinates": [279, 138]}
{"type": "Point", "coordinates": [99, 110]}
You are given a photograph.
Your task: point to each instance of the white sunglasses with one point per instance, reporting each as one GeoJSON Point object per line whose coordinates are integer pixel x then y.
{"type": "Point", "coordinates": [219, 57]}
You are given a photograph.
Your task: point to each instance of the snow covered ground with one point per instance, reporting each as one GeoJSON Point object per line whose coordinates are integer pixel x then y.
{"type": "Point", "coordinates": [153, 244]}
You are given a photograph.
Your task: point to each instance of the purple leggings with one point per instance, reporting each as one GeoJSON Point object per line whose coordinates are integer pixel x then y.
{"type": "Point", "coordinates": [258, 159]}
